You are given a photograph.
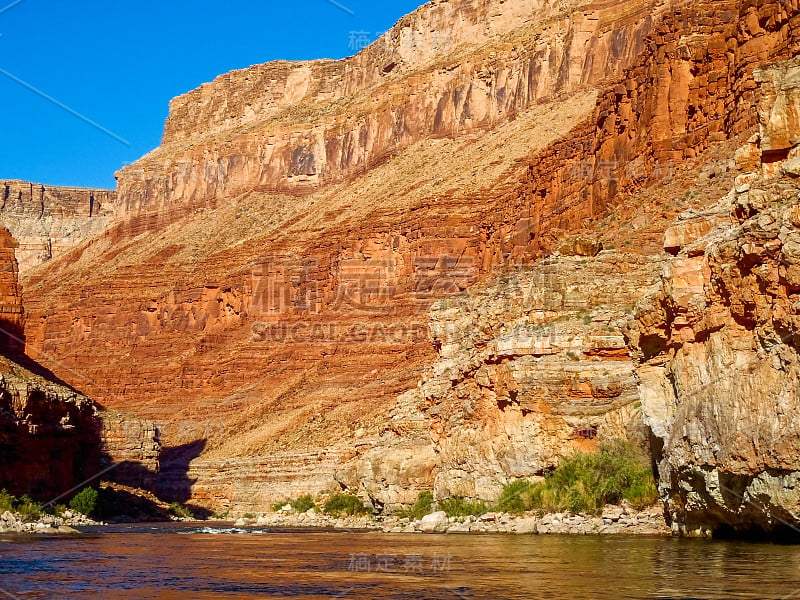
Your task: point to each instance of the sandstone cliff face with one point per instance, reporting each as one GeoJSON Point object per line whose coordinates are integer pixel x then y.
{"type": "Point", "coordinates": [266, 288]}
{"type": "Point", "coordinates": [12, 313]}
{"type": "Point", "coordinates": [531, 368]}
{"type": "Point", "coordinates": [47, 221]}
{"type": "Point", "coordinates": [717, 342]}
{"type": "Point", "coordinates": [53, 438]}
{"type": "Point", "coordinates": [448, 69]}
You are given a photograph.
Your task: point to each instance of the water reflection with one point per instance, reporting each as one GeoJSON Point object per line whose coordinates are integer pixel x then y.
{"type": "Point", "coordinates": [155, 563]}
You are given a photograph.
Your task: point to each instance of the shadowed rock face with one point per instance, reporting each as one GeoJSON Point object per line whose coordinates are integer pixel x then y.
{"type": "Point", "coordinates": [53, 438]}
{"type": "Point", "coordinates": [265, 289]}
{"type": "Point", "coordinates": [718, 345]}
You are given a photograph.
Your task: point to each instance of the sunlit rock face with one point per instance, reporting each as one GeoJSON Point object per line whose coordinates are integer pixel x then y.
{"type": "Point", "coordinates": [264, 290]}
{"type": "Point", "coordinates": [48, 221]}
{"type": "Point", "coordinates": [530, 367]}
{"type": "Point", "coordinates": [448, 69]}
{"type": "Point", "coordinates": [718, 347]}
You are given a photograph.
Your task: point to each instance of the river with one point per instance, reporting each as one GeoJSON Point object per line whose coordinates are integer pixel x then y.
{"type": "Point", "coordinates": [169, 562]}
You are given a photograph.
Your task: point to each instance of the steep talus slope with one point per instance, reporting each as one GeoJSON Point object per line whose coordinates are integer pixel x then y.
{"type": "Point", "coordinates": [267, 288]}
{"type": "Point", "coordinates": [718, 339]}
{"type": "Point", "coordinates": [48, 220]}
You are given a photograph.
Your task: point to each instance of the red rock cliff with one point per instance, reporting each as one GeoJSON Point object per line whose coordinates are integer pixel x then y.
{"type": "Point", "coordinates": [266, 289]}
{"type": "Point", "coordinates": [12, 315]}
{"type": "Point", "coordinates": [49, 220]}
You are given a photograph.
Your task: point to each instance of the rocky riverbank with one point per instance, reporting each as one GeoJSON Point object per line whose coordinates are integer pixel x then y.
{"type": "Point", "coordinates": [46, 524]}
{"type": "Point", "coordinates": [613, 520]}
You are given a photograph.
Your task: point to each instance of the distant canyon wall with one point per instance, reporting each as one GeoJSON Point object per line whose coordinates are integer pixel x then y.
{"type": "Point", "coordinates": [296, 126]}
{"type": "Point", "coordinates": [48, 220]}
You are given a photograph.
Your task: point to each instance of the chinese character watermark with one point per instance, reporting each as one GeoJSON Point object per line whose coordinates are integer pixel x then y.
{"type": "Point", "coordinates": [413, 564]}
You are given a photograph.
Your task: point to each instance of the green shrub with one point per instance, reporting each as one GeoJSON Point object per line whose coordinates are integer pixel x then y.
{"type": "Point", "coordinates": [344, 504]}
{"type": "Point", "coordinates": [27, 509]}
{"type": "Point", "coordinates": [587, 482]}
{"type": "Point", "coordinates": [421, 507]}
{"type": "Point", "coordinates": [303, 503]}
{"type": "Point", "coordinates": [515, 497]}
{"type": "Point", "coordinates": [176, 509]}
{"type": "Point", "coordinates": [279, 505]}
{"type": "Point", "coordinates": [7, 501]}
{"type": "Point", "coordinates": [456, 506]}
{"type": "Point", "coordinates": [85, 501]}
{"type": "Point", "coordinates": [59, 510]}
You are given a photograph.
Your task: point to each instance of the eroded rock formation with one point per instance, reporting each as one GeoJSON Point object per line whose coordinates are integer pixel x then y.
{"type": "Point", "coordinates": [718, 341]}
{"type": "Point", "coordinates": [52, 437]}
{"type": "Point", "coordinates": [266, 290]}
{"type": "Point", "coordinates": [47, 221]}
{"type": "Point", "coordinates": [531, 368]}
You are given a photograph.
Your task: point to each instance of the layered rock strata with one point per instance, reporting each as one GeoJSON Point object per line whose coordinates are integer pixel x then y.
{"type": "Point", "coordinates": [448, 69]}
{"type": "Point", "coordinates": [530, 368]}
{"type": "Point", "coordinates": [717, 341]}
{"type": "Point", "coordinates": [266, 322]}
{"type": "Point", "coordinates": [48, 220]}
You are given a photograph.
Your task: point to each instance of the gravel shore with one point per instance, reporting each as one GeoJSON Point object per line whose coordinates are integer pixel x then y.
{"type": "Point", "coordinates": [613, 520]}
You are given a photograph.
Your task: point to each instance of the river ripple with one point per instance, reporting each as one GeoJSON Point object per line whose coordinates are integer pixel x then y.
{"type": "Point", "coordinates": [182, 562]}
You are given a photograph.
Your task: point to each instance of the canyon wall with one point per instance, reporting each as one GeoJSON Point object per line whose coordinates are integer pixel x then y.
{"type": "Point", "coordinates": [530, 368]}
{"type": "Point", "coordinates": [717, 340]}
{"type": "Point", "coordinates": [693, 87]}
{"type": "Point", "coordinates": [48, 435]}
{"type": "Point", "coordinates": [12, 313]}
{"type": "Point", "coordinates": [266, 289]}
{"type": "Point", "coordinates": [48, 220]}
{"type": "Point", "coordinates": [448, 69]}
{"type": "Point", "coordinates": [52, 437]}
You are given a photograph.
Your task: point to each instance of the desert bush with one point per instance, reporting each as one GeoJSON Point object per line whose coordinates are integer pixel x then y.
{"type": "Point", "coordinates": [7, 501]}
{"type": "Point", "coordinates": [84, 501]}
{"type": "Point", "coordinates": [422, 506]}
{"type": "Point", "coordinates": [176, 509]}
{"type": "Point", "coordinates": [515, 497]}
{"type": "Point", "coordinates": [27, 509]}
{"type": "Point", "coordinates": [457, 506]}
{"type": "Point", "coordinates": [344, 504]}
{"type": "Point", "coordinates": [586, 482]}
{"type": "Point", "coordinates": [303, 503]}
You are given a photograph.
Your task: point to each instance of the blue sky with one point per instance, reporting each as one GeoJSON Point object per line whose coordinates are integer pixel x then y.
{"type": "Point", "coordinates": [118, 64]}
